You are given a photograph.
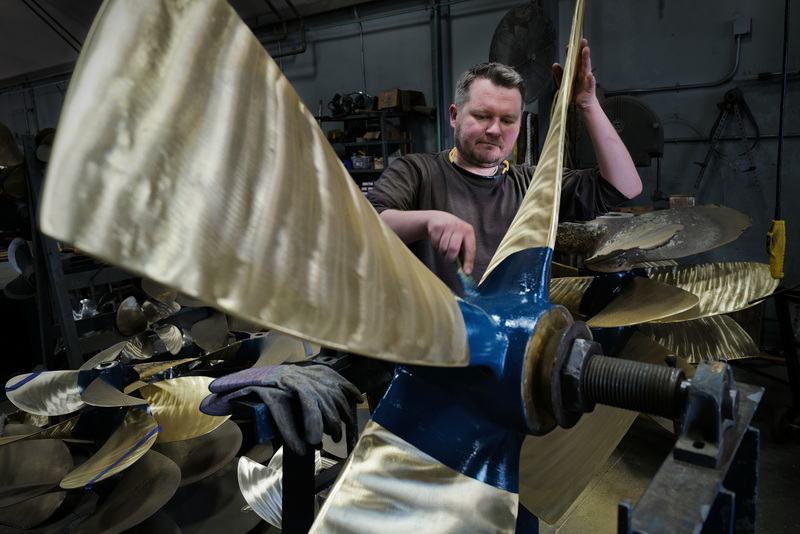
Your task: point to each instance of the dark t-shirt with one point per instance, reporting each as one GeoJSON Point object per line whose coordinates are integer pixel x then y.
{"type": "Point", "coordinates": [433, 182]}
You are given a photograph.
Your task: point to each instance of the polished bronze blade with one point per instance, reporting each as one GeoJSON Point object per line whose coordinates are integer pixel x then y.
{"type": "Point", "coordinates": [171, 336]}
{"type": "Point", "coordinates": [643, 300]}
{"type": "Point", "coordinates": [10, 153]}
{"type": "Point", "coordinates": [28, 473]}
{"type": "Point", "coordinates": [704, 228]}
{"type": "Point", "coordinates": [175, 405]}
{"type": "Point", "coordinates": [130, 317]}
{"type": "Point", "coordinates": [211, 333]}
{"type": "Point", "coordinates": [140, 491]}
{"type": "Point", "coordinates": [262, 488]}
{"type": "Point", "coordinates": [155, 311]}
{"type": "Point", "coordinates": [140, 346]}
{"type": "Point", "coordinates": [639, 301]}
{"type": "Point", "coordinates": [536, 221]}
{"type": "Point", "coordinates": [101, 393]}
{"type": "Point", "coordinates": [15, 181]}
{"type": "Point", "coordinates": [721, 287]}
{"type": "Point", "coordinates": [568, 292]}
{"type": "Point", "coordinates": [25, 418]}
{"type": "Point", "coordinates": [280, 348]}
{"type": "Point", "coordinates": [708, 338]}
{"type": "Point", "coordinates": [62, 430]}
{"type": "Point", "coordinates": [158, 291]}
{"type": "Point", "coordinates": [245, 207]}
{"type": "Point", "coordinates": [204, 455]}
{"type": "Point", "coordinates": [46, 393]}
{"type": "Point", "coordinates": [146, 370]}
{"type": "Point", "coordinates": [129, 442]}
{"type": "Point", "coordinates": [555, 468]}
{"type": "Point", "coordinates": [104, 357]}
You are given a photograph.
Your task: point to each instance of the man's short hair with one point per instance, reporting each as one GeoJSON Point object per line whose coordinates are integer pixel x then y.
{"type": "Point", "coordinates": [497, 73]}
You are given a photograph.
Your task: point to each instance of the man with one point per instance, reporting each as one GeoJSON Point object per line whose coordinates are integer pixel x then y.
{"type": "Point", "coordinates": [458, 204]}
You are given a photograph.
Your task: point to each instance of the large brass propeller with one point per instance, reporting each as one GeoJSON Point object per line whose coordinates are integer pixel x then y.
{"type": "Point", "coordinates": [261, 220]}
{"type": "Point", "coordinates": [204, 172]}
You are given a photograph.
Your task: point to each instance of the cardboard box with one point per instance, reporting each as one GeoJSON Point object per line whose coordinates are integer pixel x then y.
{"type": "Point", "coordinates": [389, 99]}
{"type": "Point", "coordinates": [372, 136]}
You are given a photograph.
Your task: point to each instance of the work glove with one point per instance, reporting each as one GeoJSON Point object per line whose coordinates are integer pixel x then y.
{"type": "Point", "coordinates": [304, 401]}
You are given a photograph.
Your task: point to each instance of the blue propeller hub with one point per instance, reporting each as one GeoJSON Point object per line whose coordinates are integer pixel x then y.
{"type": "Point", "coordinates": [474, 419]}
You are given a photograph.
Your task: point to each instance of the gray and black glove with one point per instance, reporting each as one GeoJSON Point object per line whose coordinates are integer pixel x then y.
{"type": "Point", "coordinates": [304, 401]}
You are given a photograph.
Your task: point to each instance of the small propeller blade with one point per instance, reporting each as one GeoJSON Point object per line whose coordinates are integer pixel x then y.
{"type": "Point", "coordinates": [46, 392]}
{"type": "Point", "coordinates": [715, 337]}
{"type": "Point", "coordinates": [175, 405]}
{"type": "Point", "coordinates": [204, 455]}
{"type": "Point", "coordinates": [134, 437]}
{"type": "Point", "coordinates": [721, 287]}
{"type": "Point", "coordinates": [130, 317]}
{"type": "Point", "coordinates": [140, 491]}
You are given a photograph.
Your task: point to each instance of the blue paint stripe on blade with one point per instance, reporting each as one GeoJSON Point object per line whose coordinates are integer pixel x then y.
{"type": "Point", "coordinates": [121, 458]}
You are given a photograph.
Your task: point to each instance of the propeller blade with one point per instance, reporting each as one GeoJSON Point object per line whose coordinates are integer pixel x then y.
{"type": "Point", "coordinates": [536, 221]}
{"type": "Point", "coordinates": [211, 334]}
{"type": "Point", "coordinates": [28, 474]}
{"type": "Point", "coordinates": [175, 405]}
{"type": "Point", "coordinates": [101, 393]}
{"type": "Point", "coordinates": [104, 357]}
{"type": "Point", "coordinates": [155, 311]}
{"type": "Point", "coordinates": [130, 317]}
{"type": "Point", "coordinates": [10, 153]}
{"type": "Point", "coordinates": [704, 228]}
{"type": "Point", "coordinates": [639, 301]}
{"type": "Point", "coordinates": [62, 430]}
{"type": "Point", "coordinates": [280, 348]}
{"type": "Point", "coordinates": [412, 490]}
{"type": "Point", "coordinates": [140, 491]}
{"type": "Point", "coordinates": [171, 336]}
{"type": "Point", "coordinates": [46, 392]}
{"type": "Point", "coordinates": [134, 437]}
{"type": "Point", "coordinates": [140, 346]}
{"type": "Point", "coordinates": [204, 455]}
{"type": "Point", "coordinates": [157, 291]}
{"type": "Point", "coordinates": [721, 287]}
{"type": "Point", "coordinates": [246, 207]}
{"type": "Point", "coordinates": [715, 337]}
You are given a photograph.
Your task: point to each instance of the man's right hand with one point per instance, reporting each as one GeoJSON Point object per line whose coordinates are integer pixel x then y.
{"type": "Point", "coordinates": [453, 237]}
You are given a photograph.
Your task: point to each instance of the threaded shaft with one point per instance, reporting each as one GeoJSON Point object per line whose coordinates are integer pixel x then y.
{"type": "Point", "coordinates": [642, 387]}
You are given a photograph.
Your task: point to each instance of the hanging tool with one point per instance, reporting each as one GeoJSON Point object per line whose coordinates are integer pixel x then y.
{"type": "Point", "coordinates": [733, 101]}
{"type": "Point", "coordinates": [776, 237]}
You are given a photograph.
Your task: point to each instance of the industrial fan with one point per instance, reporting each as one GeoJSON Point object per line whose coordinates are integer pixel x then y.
{"type": "Point", "coordinates": [182, 183]}
{"type": "Point", "coordinates": [525, 39]}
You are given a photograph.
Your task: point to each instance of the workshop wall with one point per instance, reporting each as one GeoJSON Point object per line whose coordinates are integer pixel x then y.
{"type": "Point", "coordinates": [636, 46]}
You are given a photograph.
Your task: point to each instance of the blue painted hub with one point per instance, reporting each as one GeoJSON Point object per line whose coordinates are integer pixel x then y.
{"type": "Point", "coordinates": [473, 419]}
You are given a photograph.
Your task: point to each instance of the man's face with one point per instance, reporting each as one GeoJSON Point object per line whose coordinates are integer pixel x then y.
{"type": "Point", "coordinates": [486, 127]}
